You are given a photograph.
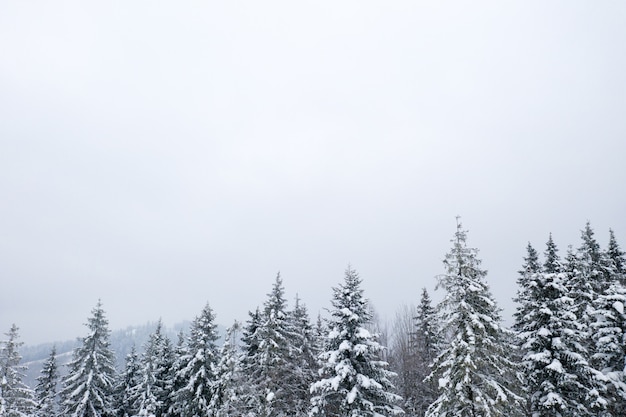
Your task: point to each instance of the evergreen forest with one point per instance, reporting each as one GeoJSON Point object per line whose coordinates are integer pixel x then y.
{"type": "Point", "coordinates": [563, 356]}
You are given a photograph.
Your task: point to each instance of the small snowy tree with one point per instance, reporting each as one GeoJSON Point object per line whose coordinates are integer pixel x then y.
{"type": "Point", "coordinates": [304, 358]}
{"type": "Point", "coordinates": [559, 380]}
{"type": "Point", "coordinates": [157, 373]}
{"type": "Point", "coordinates": [354, 380]}
{"type": "Point", "coordinates": [270, 364]}
{"type": "Point", "coordinates": [198, 367]}
{"type": "Point", "coordinates": [225, 391]}
{"type": "Point", "coordinates": [17, 399]}
{"type": "Point", "coordinates": [427, 341]}
{"type": "Point", "coordinates": [127, 386]}
{"type": "Point", "coordinates": [46, 388]}
{"type": "Point", "coordinates": [88, 386]}
{"type": "Point", "coordinates": [618, 257]}
{"type": "Point", "coordinates": [609, 336]}
{"type": "Point", "coordinates": [476, 374]}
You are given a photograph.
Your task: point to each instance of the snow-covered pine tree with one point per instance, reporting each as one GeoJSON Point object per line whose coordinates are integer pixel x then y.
{"type": "Point", "coordinates": [46, 388]}
{"type": "Point", "coordinates": [17, 399]}
{"type": "Point", "coordinates": [127, 385]}
{"type": "Point", "coordinates": [552, 263]}
{"type": "Point", "coordinates": [609, 337]}
{"type": "Point", "coordinates": [580, 289]}
{"type": "Point", "coordinates": [305, 364]}
{"type": "Point", "coordinates": [177, 381]}
{"type": "Point", "coordinates": [476, 375]}
{"type": "Point", "coordinates": [161, 350]}
{"type": "Point", "coordinates": [271, 368]}
{"type": "Point", "coordinates": [198, 367]}
{"type": "Point", "coordinates": [228, 377]}
{"type": "Point", "coordinates": [247, 402]}
{"type": "Point", "coordinates": [593, 263]}
{"type": "Point", "coordinates": [88, 386]}
{"type": "Point", "coordinates": [559, 380]}
{"type": "Point", "coordinates": [354, 381]}
{"type": "Point", "coordinates": [608, 329]}
{"type": "Point", "coordinates": [427, 343]}
{"type": "Point", "coordinates": [618, 257]}
{"type": "Point", "coordinates": [153, 391]}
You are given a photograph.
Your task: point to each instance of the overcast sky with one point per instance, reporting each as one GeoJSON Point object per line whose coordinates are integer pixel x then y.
{"type": "Point", "coordinates": [161, 155]}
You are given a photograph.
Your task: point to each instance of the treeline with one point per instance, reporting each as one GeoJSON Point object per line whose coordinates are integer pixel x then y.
{"type": "Point", "coordinates": [565, 355]}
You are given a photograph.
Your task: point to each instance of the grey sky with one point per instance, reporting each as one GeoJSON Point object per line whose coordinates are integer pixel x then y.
{"type": "Point", "coordinates": [159, 155]}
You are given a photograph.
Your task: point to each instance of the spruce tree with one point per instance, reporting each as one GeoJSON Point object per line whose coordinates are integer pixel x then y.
{"type": "Point", "coordinates": [304, 358]}
{"type": "Point", "coordinates": [618, 258]}
{"type": "Point", "coordinates": [559, 380]}
{"type": "Point", "coordinates": [46, 388]}
{"type": "Point", "coordinates": [271, 367]}
{"type": "Point", "coordinates": [88, 386]}
{"type": "Point", "coordinates": [354, 381]}
{"type": "Point", "coordinates": [476, 374]}
{"type": "Point", "coordinates": [552, 263]}
{"type": "Point", "coordinates": [177, 381]}
{"type": "Point", "coordinates": [609, 337]}
{"type": "Point", "coordinates": [593, 264]}
{"type": "Point", "coordinates": [427, 343]}
{"type": "Point", "coordinates": [228, 377]}
{"type": "Point", "coordinates": [247, 401]}
{"type": "Point", "coordinates": [160, 349]}
{"type": "Point", "coordinates": [530, 267]}
{"type": "Point", "coordinates": [127, 385]}
{"type": "Point", "coordinates": [17, 400]}
{"type": "Point", "coordinates": [197, 372]}
{"type": "Point", "coordinates": [148, 393]}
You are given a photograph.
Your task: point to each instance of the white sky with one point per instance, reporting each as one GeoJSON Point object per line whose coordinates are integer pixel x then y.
{"type": "Point", "coordinates": [159, 155]}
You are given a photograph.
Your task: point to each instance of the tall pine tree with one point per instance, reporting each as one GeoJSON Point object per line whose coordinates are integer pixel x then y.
{"type": "Point", "coordinates": [427, 343]}
{"type": "Point", "coordinates": [127, 385]}
{"type": "Point", "coordinates": [46, 388]}
{"type": "Point", "coordinates": [228, 377]}
{"type": "Point", "coordinates": [354, 382]}
{"type": "Point", "coordinates": [271, 365]}
{"type": "Point", "coordinates": [559, 380]}
{"type": "Point", "coordinates": [197, 372]}
{"type": "Point", "coordinates": [17, 400]}
{"type": "Point", "coordinates": [88, 386]}
{"type": "Point", "coordinates": [476, 374]}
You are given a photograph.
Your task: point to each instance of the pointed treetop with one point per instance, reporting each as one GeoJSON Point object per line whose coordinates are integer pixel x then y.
{"type": "Point", "coordinates": [552, 264]}
{"type": "Point", "coordinates": [616, 254]}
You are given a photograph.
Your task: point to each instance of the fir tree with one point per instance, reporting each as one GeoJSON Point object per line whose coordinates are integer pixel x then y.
{"type": "Point", "coordinates": [427, 343]}
{"type": "Point", "coordinates": [228, 378]}
{"type": "Point", "coordinates": [559, 380]}
{"type": "Point", "coordinates": [271, 367]}
{"type": "Point", "coordinates": [127, 385]}
{"type": "Point", "coordinates": [609, 337]}
{"type": "Point", "coordinates": [593, 263]}
{"type": "Point", "coordinates": [552, 264]}
{"type": "Point", "coordinates": [304, 359]}
{"type": "Point", "coordinates": [146, 396]}
{"type": "Point", "coordinates": [530, 267]}
{"type": "Point", "coordinates": [198, 367]}
{"type": "Point", "coordinates": [618, 258]}
{"type": "Point", "coordinates": [88, 386]}
{"type": "Point", "coordinates": [354, 380]}
{"type": "Point", "coordinates": [177, 382]}
{"type": "Point", "coordinates": [162, 352]}
{"type": "Point", "coordinates": [46, 388]}
{"type": "Point", "coordinates": [17, 400]}
{"type": "Point", "coordinates": [477, 376]}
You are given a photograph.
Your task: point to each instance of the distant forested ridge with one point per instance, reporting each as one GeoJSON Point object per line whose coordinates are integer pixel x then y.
{"type": "Point", "coordinates": [563, 357]}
